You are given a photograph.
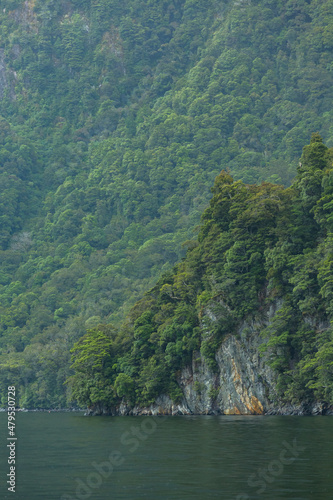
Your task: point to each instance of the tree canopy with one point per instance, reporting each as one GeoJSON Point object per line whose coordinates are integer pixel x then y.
{"type": "Point", "coordinates": [115, 119]}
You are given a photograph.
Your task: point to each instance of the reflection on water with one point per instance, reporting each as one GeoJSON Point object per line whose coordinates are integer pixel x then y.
{"type": "Point", "coordinates": [68, 456]}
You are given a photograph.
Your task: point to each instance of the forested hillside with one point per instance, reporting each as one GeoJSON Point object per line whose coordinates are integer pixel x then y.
{"type": "Point", "coordinates": [259, 247]}
{"type": "Point", "coordinates": [115, 119]}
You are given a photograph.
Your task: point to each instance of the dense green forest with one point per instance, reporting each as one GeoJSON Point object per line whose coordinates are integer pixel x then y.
{"type": "Point", "coordinates": [116, 117]}
{"type": "Point", "coordinates": [258, 245]}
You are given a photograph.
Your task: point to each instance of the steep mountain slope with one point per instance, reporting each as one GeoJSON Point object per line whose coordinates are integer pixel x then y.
{"type": "Point", "coordinates": [116, 118]}
{"type": "Point", "coordinates": [243, 324]}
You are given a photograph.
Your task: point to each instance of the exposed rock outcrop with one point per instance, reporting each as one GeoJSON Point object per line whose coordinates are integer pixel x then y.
{"type": "Point", "coordinates": [242, 384]}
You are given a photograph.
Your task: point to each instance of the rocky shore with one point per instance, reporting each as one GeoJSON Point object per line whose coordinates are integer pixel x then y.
{"type": "Point", "coordinates": [164, 406]}
{"type": "Point", "coordinates": [242, 383]}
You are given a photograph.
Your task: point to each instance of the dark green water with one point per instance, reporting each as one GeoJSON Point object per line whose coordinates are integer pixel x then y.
{"type": "Point", "coordinates": [68, 456]}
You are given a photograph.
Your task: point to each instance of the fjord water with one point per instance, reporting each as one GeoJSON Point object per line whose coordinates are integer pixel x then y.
{"type": "Point", "coordinates": [68, 456]}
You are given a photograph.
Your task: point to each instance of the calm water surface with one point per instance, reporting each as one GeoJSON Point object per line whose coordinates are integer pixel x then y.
{"type": "Point", "coordinates": [67, 456]}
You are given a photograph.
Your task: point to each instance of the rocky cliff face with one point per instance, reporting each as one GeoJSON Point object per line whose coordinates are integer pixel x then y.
{"type": "Point", "coordinates": [243, 383]}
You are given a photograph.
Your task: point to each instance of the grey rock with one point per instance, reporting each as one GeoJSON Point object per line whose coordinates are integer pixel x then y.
{"type": "Point", "coordinates": [242, 384]}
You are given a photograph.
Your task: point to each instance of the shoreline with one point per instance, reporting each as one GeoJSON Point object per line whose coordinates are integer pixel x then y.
{"type": "Point", "coordinates": [305, 409]}
{"type": "Point", "coordinates": [46, 410]}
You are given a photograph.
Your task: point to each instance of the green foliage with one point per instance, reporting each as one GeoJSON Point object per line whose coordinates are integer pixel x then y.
{"type": "Point", "coordinates": [115, 119]}
{"type": "Point", "coordinates": [213, 392]}
{"type": "Point", "coordinates": [124, 386]}
{"type": "Point", "coordinates": [249, 257]}
{"type": "Point", "coordinates": [94, 359]}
